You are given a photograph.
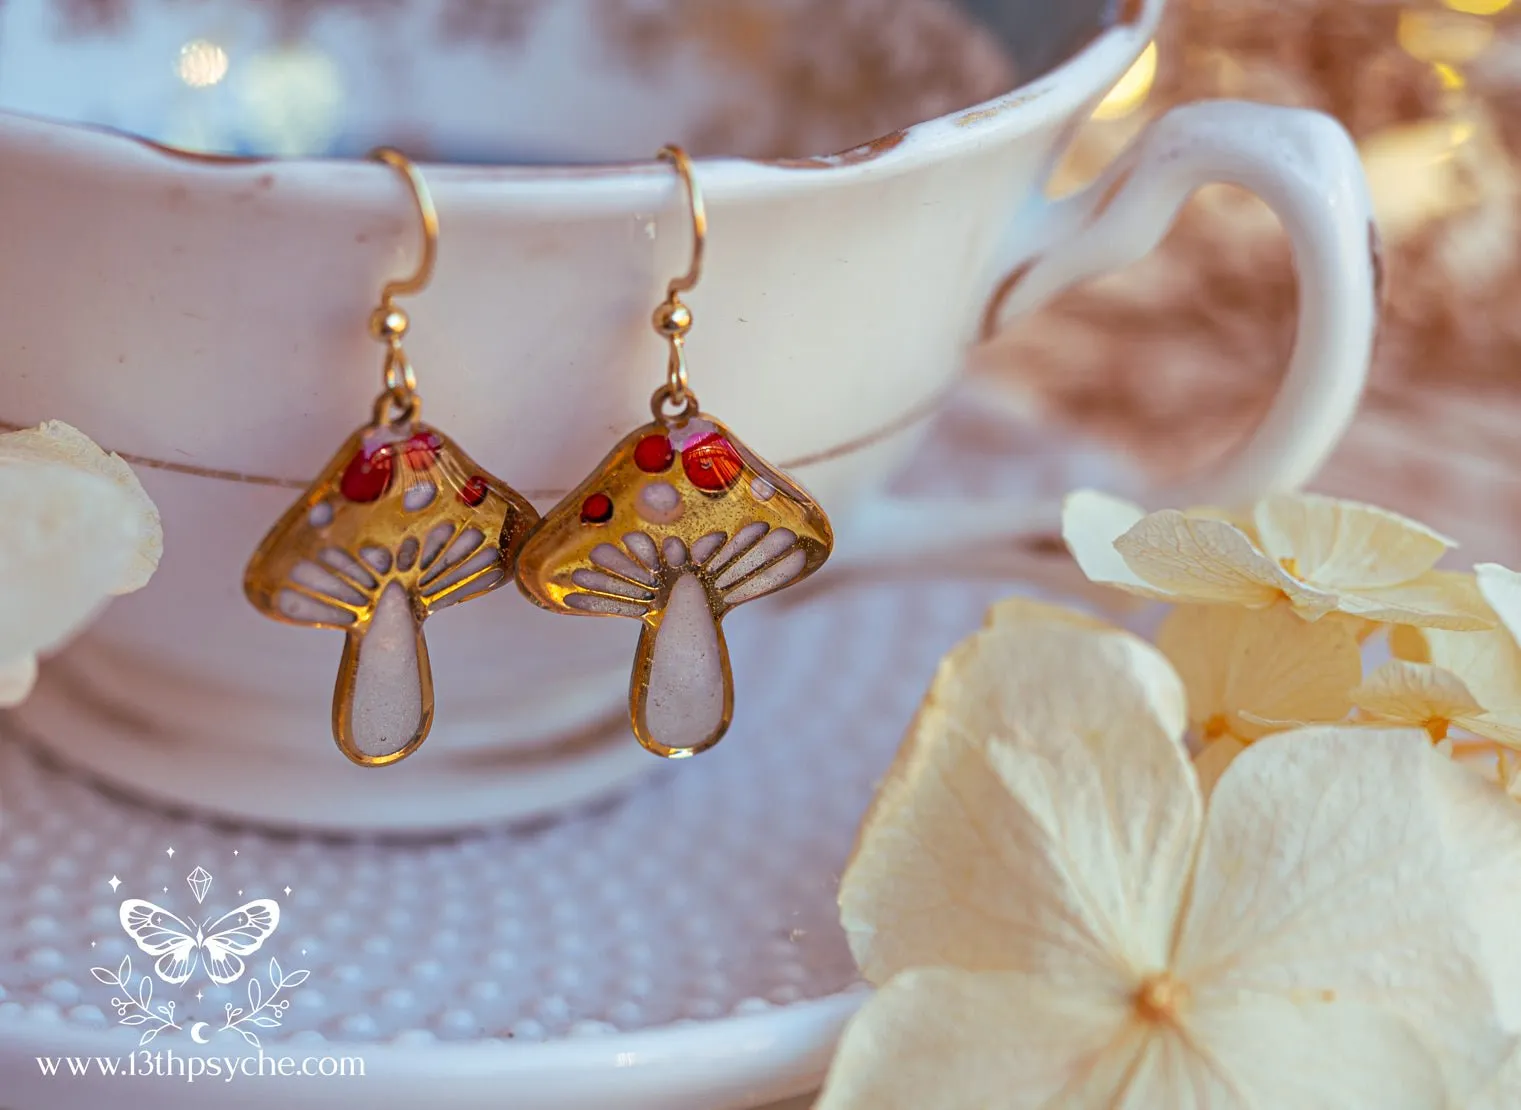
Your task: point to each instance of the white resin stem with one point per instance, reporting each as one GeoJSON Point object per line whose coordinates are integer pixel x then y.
{"type": "Point", "coordinates": [387, 711]}
{"type": "Point", "coordinates": [683, 703]}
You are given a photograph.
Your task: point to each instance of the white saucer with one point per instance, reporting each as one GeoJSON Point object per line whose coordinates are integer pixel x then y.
{"type": "Point", "coordinates": [677, 949]}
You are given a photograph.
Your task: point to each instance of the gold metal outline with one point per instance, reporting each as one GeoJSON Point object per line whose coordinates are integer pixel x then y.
{"type": "Point", "coordinates": [424, 547]}
{"type": "Point", "coordinates": [503, 517]}
{"type": "Point", "coordinates": [715, 527]}
{"type": "Point", "coordinates": [562, 546]}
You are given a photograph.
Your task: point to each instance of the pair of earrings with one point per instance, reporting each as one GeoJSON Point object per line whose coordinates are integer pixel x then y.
{"type": "Point", "coordinates": [678, 524]}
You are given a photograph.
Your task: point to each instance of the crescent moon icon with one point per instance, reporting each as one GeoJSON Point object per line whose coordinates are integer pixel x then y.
{"type": "Point", "coordinates": [195, 1033]}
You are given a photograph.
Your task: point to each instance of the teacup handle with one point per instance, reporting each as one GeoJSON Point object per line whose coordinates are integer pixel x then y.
{"type": "Point", "coordinates": [1305, 166]}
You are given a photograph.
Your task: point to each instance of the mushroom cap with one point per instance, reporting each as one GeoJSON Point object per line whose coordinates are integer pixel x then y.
{"type": "Point", "coordinates": [668, 500]}
{"type": "Point", "coordinates": [397, 504]}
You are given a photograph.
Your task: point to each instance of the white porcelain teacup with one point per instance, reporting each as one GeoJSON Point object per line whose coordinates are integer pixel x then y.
{"type": "Point", "coordinates": [206, 315]}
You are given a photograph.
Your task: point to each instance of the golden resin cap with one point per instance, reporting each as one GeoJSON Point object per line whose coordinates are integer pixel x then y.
{"type": "Point", "coordinates": [400, 524]}
{"type": "Point", "coordinates": [676, 527]}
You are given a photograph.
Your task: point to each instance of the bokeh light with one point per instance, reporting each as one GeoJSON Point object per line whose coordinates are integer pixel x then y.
{"type": "Point", "coordinates": [1130, 91]}
{"type": "Point", "coordinates": [1478, 7]}
{"type": "Point", "coordinates": [201, 64]}
{"type": "Point", "coordinates": [1436, 36]}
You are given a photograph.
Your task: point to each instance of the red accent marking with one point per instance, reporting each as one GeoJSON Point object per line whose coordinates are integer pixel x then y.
{"type": "Point", "coordinates": [711, 463]}
{"type": "Point", "coordinates": [597, 509]}
{"type": "Point", "coordinates": [368, 474]}
{"type": "Point", "coordinates": [422, 450]}
{"type": "Point", "coordinates": [473, 492]}
{"type": "Point", "coordinates": [652, 454]}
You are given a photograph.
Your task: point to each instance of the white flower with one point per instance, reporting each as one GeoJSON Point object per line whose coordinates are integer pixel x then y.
{"type": "Point", "coordinates": [1435, 699]}
{"type": "Point", "coordinates": [1320, 554]}
{"type": "Point", "coordinates": [78, 528]}
{"type": "Point", "coordinates": [1055, 919]}
{"type": "Point", "coordinates": [1249, 672]}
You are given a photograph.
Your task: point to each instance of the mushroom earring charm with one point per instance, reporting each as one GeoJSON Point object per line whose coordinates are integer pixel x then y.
{"type": "Point", "coordinates": [678, 525]}
{"type": "Point", "coordinates": [399, 524]}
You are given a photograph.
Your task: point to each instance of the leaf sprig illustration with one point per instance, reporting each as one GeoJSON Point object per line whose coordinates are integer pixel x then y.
{"type": "Point", "coordinates": [266, 1011]}
{"type": "Point", "coordinates": [138, 1010]}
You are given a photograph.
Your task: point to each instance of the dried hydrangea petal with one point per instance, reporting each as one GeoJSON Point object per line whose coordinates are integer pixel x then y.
{"type": "Point", "coordinates": [956, 1040]}
{"type": "Point", "coordinates": [1501, 589]}
{"type": "Point", "coordinates": [1323, 555]}
{"type": "Point", "coordinates": [70, 539]}
{"type": "Point", "coordinates": [1043, 768]}
{"type": "Point", "coordinates": [17, 679]}
{"type": "Point", "coordinates": [57, 442]}
{"type": "Point", "coordinates": [1283, 883]}
{"type": "Point", "coordinates": [1091, 522]}
{"type": "Point", "coordinates": [1243, 666]}
{"type": "Point", "coordinates": [1415, 693]}
{"type": "Point", "coordinates": [1338, 544]}
{"type": "Point", "coordinates": [1436, 599]}
{"type": "Point", "coordinates": [1198, 559]}
{"type": "Point", "coordinates": [1488, 662]}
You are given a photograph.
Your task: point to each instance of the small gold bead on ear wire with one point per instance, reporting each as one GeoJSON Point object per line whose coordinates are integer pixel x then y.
{"type": "Point", "coordinates": [400, 524]}
{"type": "Point", "coordinates": [680, 524]}
{"type": "Point", "coordinates": [388, 323]}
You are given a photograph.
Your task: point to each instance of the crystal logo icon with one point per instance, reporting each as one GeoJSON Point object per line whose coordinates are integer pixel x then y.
{"type": "Point", "coordinates": [200, 883]}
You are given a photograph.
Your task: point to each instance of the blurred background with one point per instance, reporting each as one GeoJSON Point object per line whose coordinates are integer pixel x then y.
{"type": "Point", "coordinates": [1167, 361]}
{"type": "Point", "coordinates": [1175, 357]}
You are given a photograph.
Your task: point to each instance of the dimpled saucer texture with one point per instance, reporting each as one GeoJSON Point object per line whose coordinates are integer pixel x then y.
{"type": "Point", "coordinates": [677, 948]}
{"type": "Point", "coordinates": [705, 893]}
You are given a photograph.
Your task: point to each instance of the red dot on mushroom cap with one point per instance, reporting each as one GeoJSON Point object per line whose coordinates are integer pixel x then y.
{"type": "Point", "coordinates": [422, 449]}
{"type": "Point", "coordinates": [368, 475]}
{"type": "Point", "coordinates": [473, 492]}
{"type": "Point", "coordinates": [711, 463]}
{"type": "Point", "coordinates": [652, 454]}
{"type": "Point", "coordinates": [597, 509]}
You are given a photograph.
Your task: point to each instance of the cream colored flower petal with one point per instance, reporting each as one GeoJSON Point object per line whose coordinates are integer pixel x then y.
{"type": "Point", "coordinates": [1436, 599]}
{"type": "Point", "coordinates": [1024, 610]}
{"type": "Point", "coordinates": [1242, 520]}
{"type": "Point", "coordinates": [1414, 693]}
{"type": "Point", "coordinates": [1482, 833]}
{"type": "Point", "coordinates": [58, 442]}
{"type": "Point", "coordinates": [1040, 815]}
{"type": "Point", "coordinates": [1488, 662]}
{"type": "Point", "coordinates": [939, 1039]}
{"type": "Point", "coordinates": [1331, 865]}
{"type": "Point", "coordinates": [1266, 663]}
{"type": "Point", "coordinates": [1504, 1091]}
{"type": "Point", "coordinates": [1266, 1053]}
{"type": "Point", "coordinates": [1410, 644]}
{"type": "Point", "coordinates": [1213, 758]}
{"type": "Point", "coordinates": [69, 538]}
{"type": "Point", "coordinates": [1091, 522]}
{"type": "Point", "coordinates": [1195, 559]}
{"type": "Point", "coordinates": [1501, 589]}
{"type": "Point", "coordinates": [1357, 627]}
{"type": "Point", "coordinates": [17, 679]}
{"type": "Point", "coordinates": [1342, 545]}
{"type": "Point", "coordinates": [1502, 728]}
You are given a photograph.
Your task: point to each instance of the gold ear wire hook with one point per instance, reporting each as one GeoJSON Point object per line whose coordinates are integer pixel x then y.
{"type": "Point", "coordinates": [678, 158]}
{"type": "Point", "coordinates": [389, 323]}
{"type": "Point", "coordinates": [672, 319]}
{"type": "Point", "coordinates": [427, 214]}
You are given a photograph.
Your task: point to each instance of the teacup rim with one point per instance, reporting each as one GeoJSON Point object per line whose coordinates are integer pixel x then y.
{"type": "Point", "coordinates": [1054, 94]}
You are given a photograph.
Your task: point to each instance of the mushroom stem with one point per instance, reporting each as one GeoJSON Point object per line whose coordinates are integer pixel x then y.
{"type": "Point", "coordinates": [383, 703]}
{"type": "Point", "coordinates": [682, 695]}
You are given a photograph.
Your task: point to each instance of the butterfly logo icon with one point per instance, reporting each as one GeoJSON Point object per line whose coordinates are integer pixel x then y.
{"type": "Point", "coordinates": [220, 945]}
